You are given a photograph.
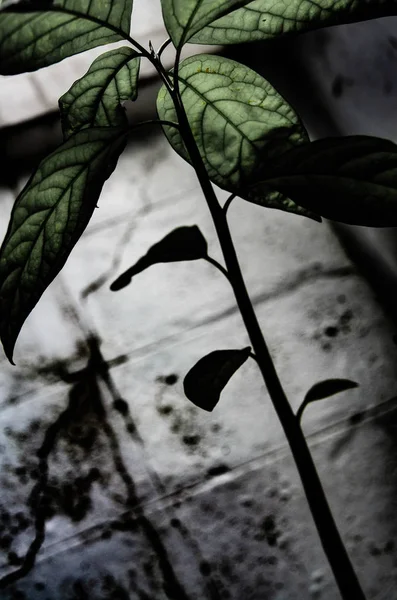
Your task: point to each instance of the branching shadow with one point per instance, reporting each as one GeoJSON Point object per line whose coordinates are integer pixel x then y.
{"type": "Point", "coordinates": [85, 397]}
{"type": "Point", "coordinates": [86, 382]}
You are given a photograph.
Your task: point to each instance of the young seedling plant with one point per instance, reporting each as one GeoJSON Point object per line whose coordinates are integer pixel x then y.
{"type": "Point", "coordinates": [236, 131]}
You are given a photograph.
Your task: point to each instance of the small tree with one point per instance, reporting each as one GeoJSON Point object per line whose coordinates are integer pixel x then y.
{"type": "Point", "coordinates": [236, 131]}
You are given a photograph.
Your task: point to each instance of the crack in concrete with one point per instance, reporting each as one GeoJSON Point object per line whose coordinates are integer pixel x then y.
{"type": "Point", "coordinates": [292, 284]}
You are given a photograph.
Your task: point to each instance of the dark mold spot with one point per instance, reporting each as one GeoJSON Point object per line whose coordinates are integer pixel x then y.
{"type": "Point", "coordinates": [205, 568]}
{"type": "Point", "coordinates": [279, 585]}
{"type": "Point", "coordinates": [175, 523]}
{"type": "Point", "coordinates": [356, 418]}
{"type": "Point", "coordinates": [339, 84]}
{"type": "Point", "coordinates": [207, 507]}
{"type": "Point", "coordinates": [20, 471]}
{"type": "Point", "coordinates": [218, 470]}
{"type": "Point", "coordinates": [268, 531]}
{"type": "Point", "coordinates": [39, 586]}
{"type": "Point", "coordinates": [165, 410]}
{"type": "Point", "coordinates": [374, 550]}
{"type": "Point", "coordinates": [346, 317]}
{"type": "Point", "coordinates": [72, 498]}
{"type": "Point", "coordinates": [247, 502]}
{"type": "Point", "coordinates": [121, 406]}
{"type": "Point", "coordinates": [171, 379]}
{"type": "Point", "coordinates": [331, 331]}
{"type": "Point", "coordinates": [5, 542]}
{"type": "Point", "coordinates": [5, 516]}
{"type": "Point", "coordinates": [94, 474]}
{"type": "Point", "coordinates": [176, 426]}
{"type": "Point", "coordinates": [191, 440]}
{"type": "Point", "coordinates": [106, 534]}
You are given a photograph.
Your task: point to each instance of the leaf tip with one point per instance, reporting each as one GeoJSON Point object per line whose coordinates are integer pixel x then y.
{"type": "Point", "coordinates": [9, 351]}
{"type": "Point", "coordinates": [120, 283]}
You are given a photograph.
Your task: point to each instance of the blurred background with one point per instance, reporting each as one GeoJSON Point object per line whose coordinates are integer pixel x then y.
{"type": "Point", "coordinates": [111, 484]}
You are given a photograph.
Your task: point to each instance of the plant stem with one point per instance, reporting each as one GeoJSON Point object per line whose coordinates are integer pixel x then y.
{"type": "Point", "coordinates": [228, 202]}
{"type": "Point", "coordinates": [332, 543]}
{"type": "Point", "coordinates": [217, 265]}
{"type": "Point", "coordinates": [299, 412]}
{"type": "Point", "coordinates": [136, 126]}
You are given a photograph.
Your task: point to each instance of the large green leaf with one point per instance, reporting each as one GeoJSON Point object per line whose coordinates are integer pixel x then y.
{"type": "Point", "coordinates": [183, 18]}
{"type": "Point", "coordinates": [263, 19]}
{"type": "Point", "coordinates": [37, 34]}
{"type": "Point", "coordinates": [47, 220]}
{"type": "Point", "coordinates": [95, 99]}
{"type": "Point", "coordinates": [237, 118]}
{"type": "Point", "coordinates": [350, 179]}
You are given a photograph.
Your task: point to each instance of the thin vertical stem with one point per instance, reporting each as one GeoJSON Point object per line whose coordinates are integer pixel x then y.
{"type": "Point", "coordinates": [332, 543]}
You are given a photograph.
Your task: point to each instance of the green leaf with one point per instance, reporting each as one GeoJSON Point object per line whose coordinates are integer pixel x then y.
{"type": "Point", "coordinates": [35, 35]}
{"type": "Point", "coordinates": [48, 218]}
{"type": "Point", "coordinates": [350, 179]}
{"type": "Point", "coordinates": [183, 18]}
{"type": "Point", "coordinates": [325, 389]}
{"type": "Point", "coordinates": [276, 200]}
{"type": "Point", "coordinates": [264, 19]}
{"type": "Point", "coordinates": [183, 243]}
{"type": "Point", "coordinates": [237, 118]}
{"type": "Point", "coordinates": [95, 99]}
{"type": "Point", "coordinates": [205, 381]}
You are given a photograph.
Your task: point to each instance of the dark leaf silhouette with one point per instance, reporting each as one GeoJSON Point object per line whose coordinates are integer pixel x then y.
{"type": "Point", "coordinates": [205, 381]}
{"type": "Point", "coordinates": [325, 389]}
{"type": "Point", "coordinates": [183, 243]}
{"type": "Point", "coordinates": [348, 179]}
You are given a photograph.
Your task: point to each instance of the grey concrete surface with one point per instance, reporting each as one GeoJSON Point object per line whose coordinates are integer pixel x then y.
{"type": "Point", "coordinates": [132, 493]}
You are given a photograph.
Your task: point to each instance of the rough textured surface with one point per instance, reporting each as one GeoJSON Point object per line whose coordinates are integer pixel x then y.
{"type": "Point", "coordinates": [127, 490]}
